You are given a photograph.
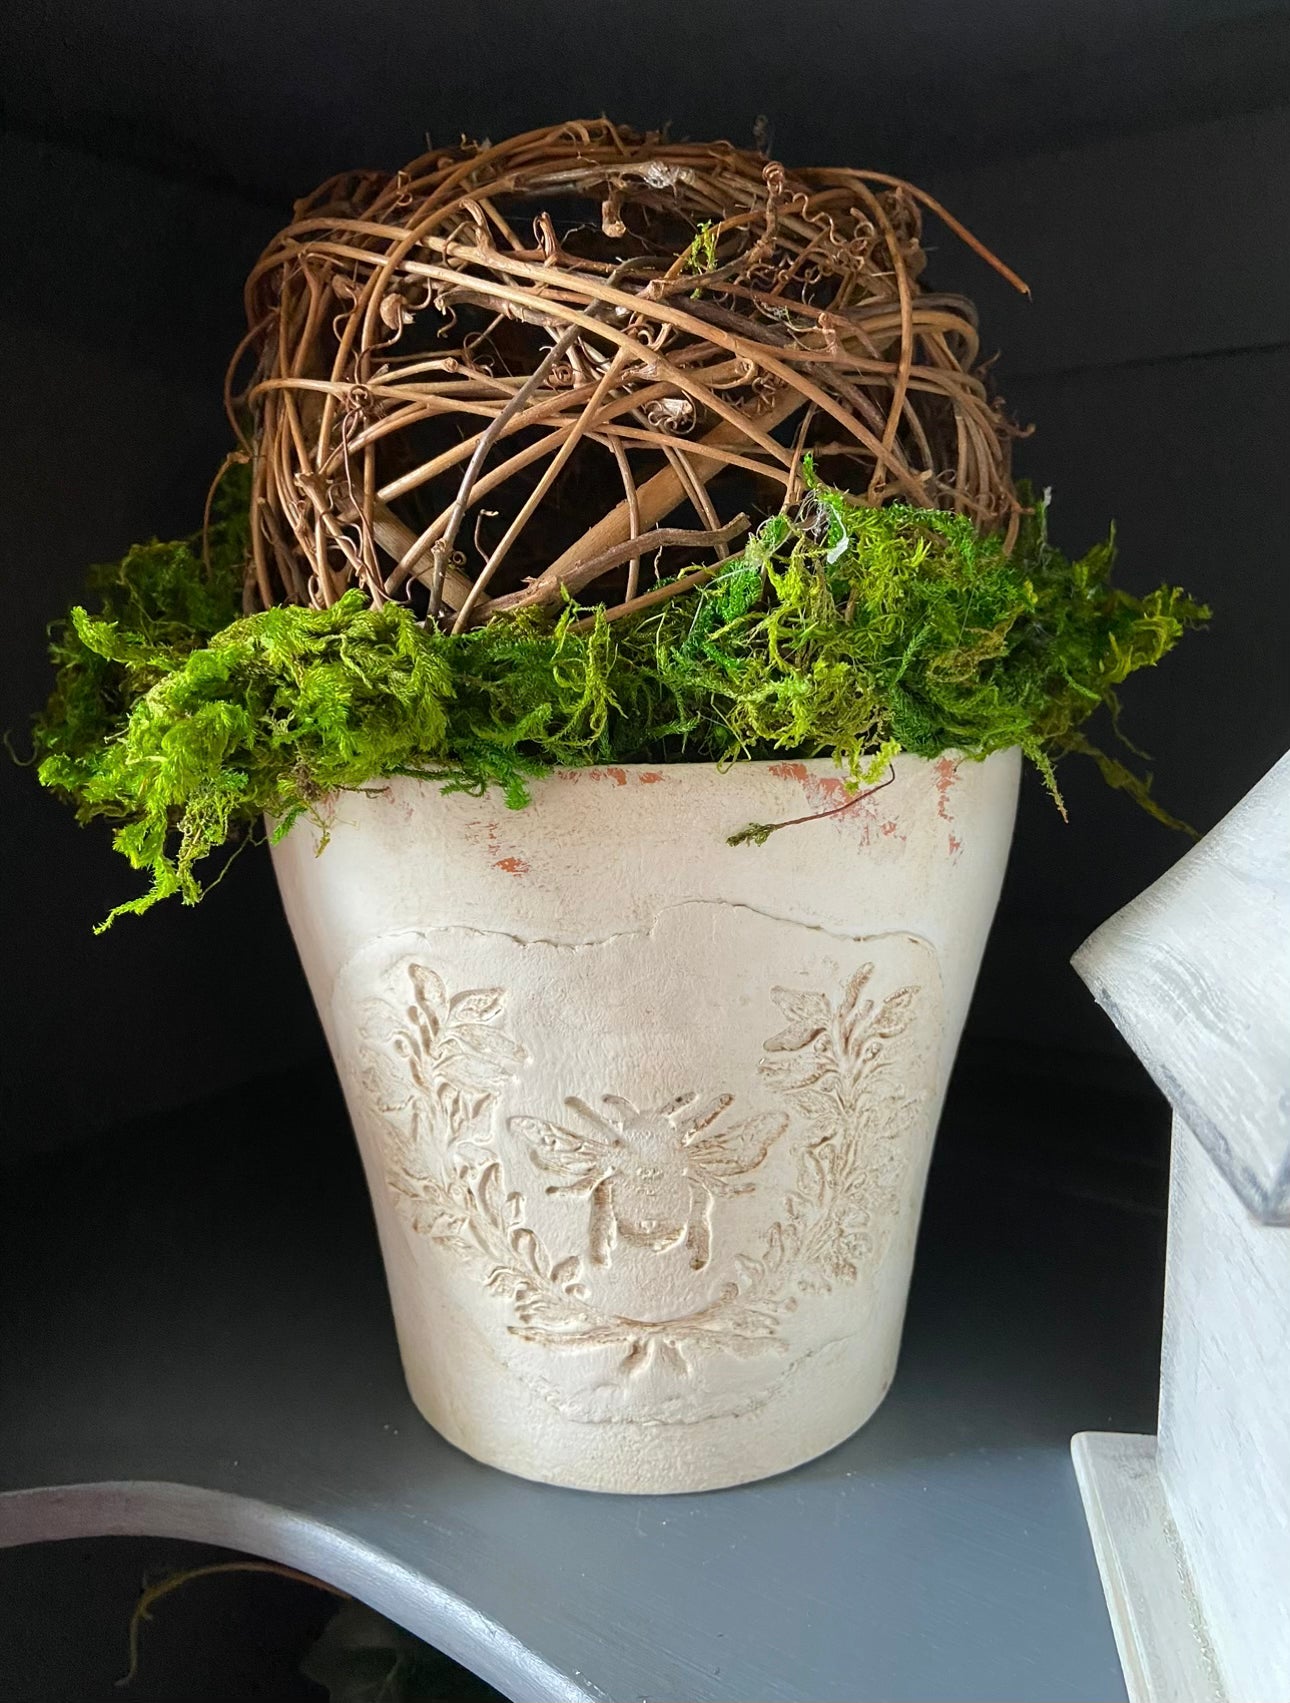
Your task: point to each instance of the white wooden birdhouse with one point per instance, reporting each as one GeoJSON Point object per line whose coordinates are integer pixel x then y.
{"type": "Point", "coordinates": [1192, 1526]}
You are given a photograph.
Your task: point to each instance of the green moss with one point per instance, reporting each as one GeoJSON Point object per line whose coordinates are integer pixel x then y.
{"type": "Point", "coordinates": [701, 256]}
{"type": "Point", "coordinates": [844, 630]}
{"type": "Point", "coordinates": [157, 605]}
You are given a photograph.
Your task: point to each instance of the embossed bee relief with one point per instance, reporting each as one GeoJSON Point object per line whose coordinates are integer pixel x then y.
{"type": "Point", "coordinates": [748, 1200]}
{"type": "Point", "coordinates": [651, 1176]}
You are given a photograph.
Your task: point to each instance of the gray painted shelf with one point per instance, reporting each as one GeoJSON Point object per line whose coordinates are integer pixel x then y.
{"type": "Point", "coordinates": [195, 1343]}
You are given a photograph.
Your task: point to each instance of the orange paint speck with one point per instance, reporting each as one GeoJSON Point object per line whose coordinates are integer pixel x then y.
{"type": "Point", "coordinates": [956, 846]}
{"type": "Point", "coordinates": [618, 776]}
{"type": "Point", "coordinates": [947, 772]}
{"type": "Point", "coordinates": [829, 795]}
{"type": "Point", "coordinates": [889, 828]}
{"type": "Point", "coordinates": [488, 832]}
{"type": "Point", "coordinates": [650, 778]}
{"type": "Point", "coordinates": [512, 865]}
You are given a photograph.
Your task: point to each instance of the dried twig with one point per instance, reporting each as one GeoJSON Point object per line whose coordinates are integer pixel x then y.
{"type": "Point", "coordinates": [404, 326]}
{"type": "Point", "coordinates": [582, 574]}
{"type": "Point", "coordinates": [757, 833]}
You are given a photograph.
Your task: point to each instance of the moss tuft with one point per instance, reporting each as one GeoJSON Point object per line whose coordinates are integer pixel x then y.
{"type": "Point", "coordinates": [842, 630]}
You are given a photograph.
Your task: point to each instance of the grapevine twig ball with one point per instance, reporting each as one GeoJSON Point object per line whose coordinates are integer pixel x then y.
{"type": "Point", "coordinates": [582, 361]}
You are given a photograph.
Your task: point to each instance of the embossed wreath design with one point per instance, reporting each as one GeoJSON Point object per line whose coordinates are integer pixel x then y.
{"type": "Point", "coordinates": [436, 1066]}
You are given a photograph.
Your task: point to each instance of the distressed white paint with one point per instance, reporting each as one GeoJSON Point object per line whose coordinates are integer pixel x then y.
{"type": "Point", "coordinates": [1193, 1530]}
{"type": "Point", "coordinates": [1159, 1629]}
{"type": "Point", "coordinates": [1195, 973]}
{"type": "Point", "coordinates": [646, 1117]}
{"type": "Point", "coordinates": [1225, 1418]}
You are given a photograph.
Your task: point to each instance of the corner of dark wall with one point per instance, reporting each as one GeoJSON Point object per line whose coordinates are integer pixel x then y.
{"type": "Point", "coordinates": [113, 385]}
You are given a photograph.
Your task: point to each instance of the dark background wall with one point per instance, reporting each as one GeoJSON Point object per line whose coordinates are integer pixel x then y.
{"type": "Point", "coordinates": [1128, 159]}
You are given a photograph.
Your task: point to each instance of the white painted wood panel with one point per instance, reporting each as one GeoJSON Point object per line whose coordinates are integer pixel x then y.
{"type": "Point", "coordinates": [1224, 1452]}
{"type": "Point", "coordinates": [1195, 974]}
{"type": "Point", "coordinates": [1160, 1631]}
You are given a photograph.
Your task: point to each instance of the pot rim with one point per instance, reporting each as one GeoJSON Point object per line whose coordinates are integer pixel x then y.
{"type": "Point", "coordinates": [789, 764]}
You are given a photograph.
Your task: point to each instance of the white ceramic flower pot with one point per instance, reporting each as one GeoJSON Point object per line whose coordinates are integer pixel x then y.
{"type": "Point", "coordinates": [647, 1117]}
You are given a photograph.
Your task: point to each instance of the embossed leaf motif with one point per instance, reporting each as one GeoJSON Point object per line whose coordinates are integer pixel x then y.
{"type": "Point", "coordinates": [808, 1015]}
{"type": "Point", "coordinates": [442, 1059]}
{"type": "Point", "coordinates": [477, 1005]}
{"type": "Point", "coordinates": [436, 1066]}
{"type": "Point", "coordinates": [849, 1175]}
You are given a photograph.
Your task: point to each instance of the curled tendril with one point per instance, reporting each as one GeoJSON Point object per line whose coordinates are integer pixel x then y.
{"type": "Point", "coordinates": [672, 414]}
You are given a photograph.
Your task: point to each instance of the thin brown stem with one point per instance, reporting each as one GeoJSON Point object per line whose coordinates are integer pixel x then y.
{"type": "Point", "coordinates": [756, 833]}
{"type": "Point", "coordinates": [662, 538]}
{"type": "Point", "coordinates": [487, 438]}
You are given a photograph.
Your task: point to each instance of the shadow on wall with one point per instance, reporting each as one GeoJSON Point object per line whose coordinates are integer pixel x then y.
{"type": "Point", "coordinates": [119, 389]}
